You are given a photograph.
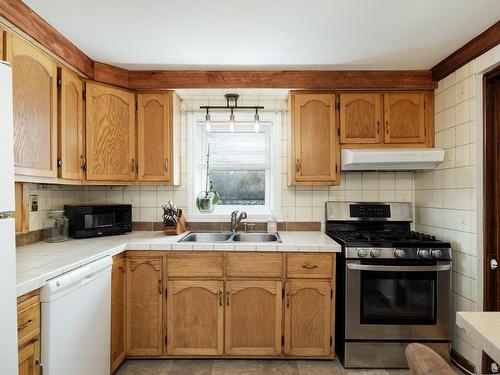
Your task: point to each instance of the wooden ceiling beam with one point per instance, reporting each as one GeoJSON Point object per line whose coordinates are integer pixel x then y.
{"type": "Point", "coordinates": [25, 19]}
{"type": "Point", "coordinates": [476, 47]}
{"type": "Point", "coordinates": [293, 79]}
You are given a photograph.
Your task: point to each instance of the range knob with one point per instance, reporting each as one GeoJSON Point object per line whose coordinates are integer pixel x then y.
{"type": "Point", "coordinates": [436, 253]}
{"type": "Point", "coordinates": [399, 253]}
{"type": "Point", "coordinates": [375, 253]}
{"type": "Point", "coordinates": [423, 253]}
{"type": "Point", "coordinates": [362, 253]}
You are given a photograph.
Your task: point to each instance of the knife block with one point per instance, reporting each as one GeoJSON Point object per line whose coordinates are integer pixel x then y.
{"type": "Point", "coordinates": [181, 226]}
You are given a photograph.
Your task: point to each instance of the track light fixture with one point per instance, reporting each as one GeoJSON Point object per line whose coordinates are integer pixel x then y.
{"type": "Point", "coordinates": [232, 105]}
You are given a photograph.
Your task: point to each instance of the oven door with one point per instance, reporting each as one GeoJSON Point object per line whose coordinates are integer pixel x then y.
{"type": "Point", "coordinates": [407, 301]}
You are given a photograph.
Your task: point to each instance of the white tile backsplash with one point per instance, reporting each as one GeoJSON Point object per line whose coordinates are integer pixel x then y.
{"type": "Point", "coordinates": [445, 198]}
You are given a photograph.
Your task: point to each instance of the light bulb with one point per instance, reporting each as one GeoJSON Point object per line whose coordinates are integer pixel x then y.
{"type": "Point", "coordinates": [231, 122]}
{"type": "Point", "coordinates": [256, 122]}
{"type": "Point", "coordinates": [207, 122]}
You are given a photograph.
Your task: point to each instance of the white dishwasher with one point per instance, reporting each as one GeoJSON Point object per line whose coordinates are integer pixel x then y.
{"type": "Point", "coordinates": [76, 315]}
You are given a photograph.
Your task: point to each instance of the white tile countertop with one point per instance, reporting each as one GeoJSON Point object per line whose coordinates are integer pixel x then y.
{"type": "Point", "coordinates": [41, 261]}
{"type": "Point", "coordinates": [483, 327]}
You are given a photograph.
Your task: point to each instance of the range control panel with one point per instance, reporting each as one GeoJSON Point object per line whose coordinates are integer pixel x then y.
{"type": "Point", "coordinates": [370, 210]}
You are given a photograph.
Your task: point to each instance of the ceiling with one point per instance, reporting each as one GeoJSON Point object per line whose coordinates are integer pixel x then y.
{"type": "Point", "coordinates": [276, 34]}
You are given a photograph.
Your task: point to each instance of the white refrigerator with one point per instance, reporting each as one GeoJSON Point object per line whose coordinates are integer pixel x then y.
{"type": "Point", "coordinates": [8, 306]}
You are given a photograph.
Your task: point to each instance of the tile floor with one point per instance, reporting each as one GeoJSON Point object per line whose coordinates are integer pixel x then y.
{"type": "Point", "coordinates": [242, 367]}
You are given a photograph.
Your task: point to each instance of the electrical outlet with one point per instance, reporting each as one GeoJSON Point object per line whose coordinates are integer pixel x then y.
{"type": "Point", "coordinates": [33, 203]}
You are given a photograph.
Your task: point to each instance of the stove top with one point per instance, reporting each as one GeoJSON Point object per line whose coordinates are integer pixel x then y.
{"type": "Point", "coordinates": [391, 238]}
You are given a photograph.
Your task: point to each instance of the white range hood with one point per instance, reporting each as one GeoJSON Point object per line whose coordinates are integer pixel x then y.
{"type": "Point", "coordinates": [395, 159]}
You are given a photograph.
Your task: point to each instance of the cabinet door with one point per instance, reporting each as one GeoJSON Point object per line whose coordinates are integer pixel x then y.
{"type": "Point", "coordinates": [404, 115]}
{"type": "Point", "coordinates": [195, 317]}
{"type": "Point", "coordinates": [360, 118]}
{"type": "Point", "coordinates": [154, 137]}
{"type": "Point", "coordinates": [118, 295]}
{"type": "Point", "coordinates": [144, 306]}
{"type": "Point", "coordinates": [29, 357]}
{"type": "Point", "coordinates": [315, 144]}
{"type": "Point", "coordinates": [253, 317]}
{"type": "Point", "coordinates": [308, 318]}
{"type": "Point", "coordinates": [71, 147]}
{"type": "Point", "coordinates": [34, 82]}
{"type": "Point", "coordinates": [110, 130]}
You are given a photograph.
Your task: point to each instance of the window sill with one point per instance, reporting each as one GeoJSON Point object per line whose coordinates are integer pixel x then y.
{"type": "Point", "coordinates": [217, 217]}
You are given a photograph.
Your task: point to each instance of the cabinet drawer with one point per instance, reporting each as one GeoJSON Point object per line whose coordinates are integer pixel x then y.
{"type": "Point", "coordinates": [309, 266]}
{"type": "Point", "coordinates": [28, 321]}
{"type": "Point", "coordinates": [194, 265]}
{"type": "Point", "coordinates": [253, 265]}
{"type": "Point", "coordinates": [27, 300]}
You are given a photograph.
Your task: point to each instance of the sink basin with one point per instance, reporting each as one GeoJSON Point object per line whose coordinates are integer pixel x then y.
{"type": "Point", "coordinates": [230, 237]}
{"type": "Point", "coordinates": [206, 237]}
{"type": "Point", "coordinates": [256, 237]}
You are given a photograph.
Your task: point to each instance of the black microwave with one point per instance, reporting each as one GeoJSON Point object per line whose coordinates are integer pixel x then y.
{"type": "Point", "coordinates": [98, 220]}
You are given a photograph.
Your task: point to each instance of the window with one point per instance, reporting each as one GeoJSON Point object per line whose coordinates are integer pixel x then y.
{"type": "Point", "coordinates": [242, 170]}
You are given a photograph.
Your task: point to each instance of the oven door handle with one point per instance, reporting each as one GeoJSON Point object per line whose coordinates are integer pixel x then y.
{"type": "Point", "coordinates": [373, 267]}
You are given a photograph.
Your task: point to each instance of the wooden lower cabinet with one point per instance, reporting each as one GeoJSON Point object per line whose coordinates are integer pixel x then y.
{"type": "Point", "coordinates": [253, 318]}
{"type": "Point", "coordinates": [28, 333]}
{"type": "Point", "coordinates": [195, 317]}
{"type": "Point", "coordinates": [215, 304]}
{"type": "Point", "coordinates": [29, 356]}
{"type": "Point", "coordinates": [144, 298]}
{"type": "Point", "coordinates": [308, 318]}
{"type": "Point", "coordinates": [118, 310]}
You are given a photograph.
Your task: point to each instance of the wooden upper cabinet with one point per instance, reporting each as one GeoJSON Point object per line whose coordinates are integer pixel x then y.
{"type": "Point", "coordinates": [110, 133]}
{"type": "Point", "coordinates": [118, 308]}
{"type": "Point", "coordinates": [308, 318]}
{"type": "Point", "coordinates": [195, 317]}
{"type": "Point", "coordinates": [315, 147]}
{"type": "Point", "coordinates": [154, 137]}
{"type": "Point", "coordinates": [405, 118]}
{"type": "Point", "coordinates": [71, 146]}
{"type": "Point", "coordinates": [144, 318]}
{"type": "Point", "coordinates": [34, 81]}
{"type": "Point", "coordinates": [360, 118]}
{"type": "Point", "coordinates": [253, 318]}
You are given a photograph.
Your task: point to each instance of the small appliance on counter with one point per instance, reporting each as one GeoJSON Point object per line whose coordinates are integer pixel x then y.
{"type": "Point", "coordinates": [98, 220]}
{"type": "Point", "coordinates": [394, 285]}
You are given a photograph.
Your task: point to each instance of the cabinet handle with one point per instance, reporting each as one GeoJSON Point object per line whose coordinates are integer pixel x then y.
{"type": "Point", "coordinates": [39, 364]}
{"type": "Point", "coordinates": [378, 127]}
{"type": "Point", "coordinates": [132, 165]}
{"type": "Point", "coordinates": [159, 287]}
{"type": "Point", "coordinates": [83, 164]}
{"type": "Point", "coordinates": [227, 298]}
{"type": "Point", "coordinates": [24, 325]}
{"type": "Point", "coordinates": [288, 300]}
{"type": "Point", "coordinates": [220, 297]}
{"type": "Point", "coordinates": [309, 266]}
{"type": "Point", "coordinates": [297, 165]}
{"type": "Point", "coordinates": [166, 164]}
{"type": "Point", "coordinates": [387, 127]}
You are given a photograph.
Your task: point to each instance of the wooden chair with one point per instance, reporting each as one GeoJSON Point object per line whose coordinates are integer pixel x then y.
{"type": "Point", "coordinates": [422, 360]}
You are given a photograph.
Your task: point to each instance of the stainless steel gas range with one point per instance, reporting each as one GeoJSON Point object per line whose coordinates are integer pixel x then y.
{"type": "Point", "coordinates": [393, 285]}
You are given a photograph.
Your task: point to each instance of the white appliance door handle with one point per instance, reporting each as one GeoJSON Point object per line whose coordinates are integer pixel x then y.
{"type": "Point", "coordinates": [374, 267]}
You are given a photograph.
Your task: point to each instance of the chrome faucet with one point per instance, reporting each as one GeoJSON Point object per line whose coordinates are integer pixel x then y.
{"type": "Point", "coordinates": [236, 217]}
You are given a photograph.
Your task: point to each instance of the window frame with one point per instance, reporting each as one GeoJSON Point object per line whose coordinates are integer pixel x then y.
{"type": "Point", "coordinates": [273, 189]}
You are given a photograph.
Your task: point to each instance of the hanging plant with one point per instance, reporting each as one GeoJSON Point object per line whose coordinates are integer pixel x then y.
{"type": "Point", "coordinates": [208, 198]}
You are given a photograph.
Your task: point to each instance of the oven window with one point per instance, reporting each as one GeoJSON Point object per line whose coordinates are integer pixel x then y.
{"type": "Point", "coordinates": [398, 297]}
{"type": "Point", "coordinates": [96, 221]}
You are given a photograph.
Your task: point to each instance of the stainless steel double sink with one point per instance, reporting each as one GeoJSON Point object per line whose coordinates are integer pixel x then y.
{"type": "Point", "coordinates": [230, 237]}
